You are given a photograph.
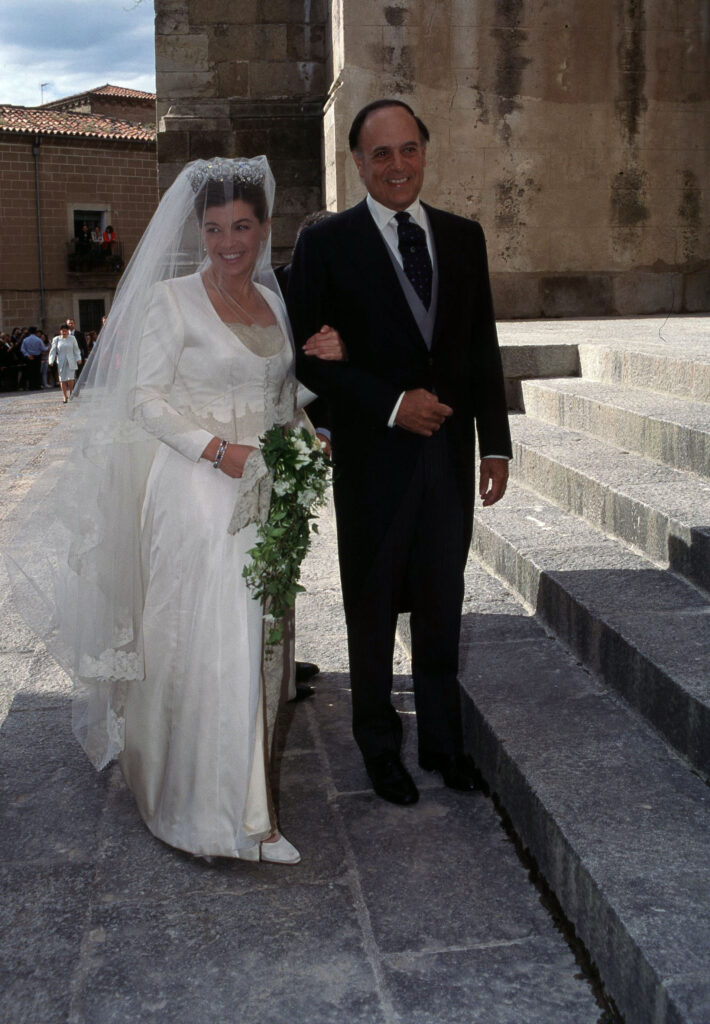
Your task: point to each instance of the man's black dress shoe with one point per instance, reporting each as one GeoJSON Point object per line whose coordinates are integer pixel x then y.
{"type": "Point", "coordinates": [457, 770]}
{"type": "Point", "coordinates": [303, 691]}
{"type": "Point", "coordinates": [305, 670]}
{"type": "Point", "coordinates": [391, 780]}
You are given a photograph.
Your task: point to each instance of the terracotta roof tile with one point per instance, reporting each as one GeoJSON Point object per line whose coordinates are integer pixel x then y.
{"type": "Point", "coordinates": [117, 91]}
{"type": "Point", "coordinates": [22, 120]}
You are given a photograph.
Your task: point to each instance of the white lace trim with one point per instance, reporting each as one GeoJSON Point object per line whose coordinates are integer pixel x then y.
{"type": "Point", "coordinates": [255, 494]}
{"type": "Point", "coordinates": [111, 665]}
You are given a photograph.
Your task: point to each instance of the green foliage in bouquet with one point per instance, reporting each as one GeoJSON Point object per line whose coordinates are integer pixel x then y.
{"type": "Point", "coordinates": [299, 468]}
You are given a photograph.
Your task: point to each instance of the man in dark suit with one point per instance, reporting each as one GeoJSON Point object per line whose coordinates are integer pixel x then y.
{"type": "Point", "coordinates": [80, 340]}
{"type": "Point", "coordinates": [407, 287]}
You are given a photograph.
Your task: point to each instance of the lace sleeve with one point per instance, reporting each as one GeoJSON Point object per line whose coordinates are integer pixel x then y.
{"type": "Point", "coordinates": [161, 345]}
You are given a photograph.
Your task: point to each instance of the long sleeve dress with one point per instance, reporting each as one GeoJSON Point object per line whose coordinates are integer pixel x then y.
{"type": "Point", "coordinates": [65, 352]}
{"type": "Point", "coordinates": [196, 728]}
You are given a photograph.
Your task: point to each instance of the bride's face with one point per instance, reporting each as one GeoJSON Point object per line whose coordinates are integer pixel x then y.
{"type": "Point", "coordinates": [232, 235]}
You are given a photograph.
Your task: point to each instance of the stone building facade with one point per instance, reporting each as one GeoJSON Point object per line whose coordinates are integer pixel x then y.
{"type": "Point", "coordinates": [57, 169]}
{"type": "Point", "coordinates": [579, 135]}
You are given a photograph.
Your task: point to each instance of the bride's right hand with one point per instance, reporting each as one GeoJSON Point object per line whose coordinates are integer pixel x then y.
{"type": "Point", "coordinates": [234, 458]}
{"type": "Point", "coordinates": [326, 344]}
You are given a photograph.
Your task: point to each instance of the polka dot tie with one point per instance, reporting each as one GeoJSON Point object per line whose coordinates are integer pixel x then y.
{"type": "Point", "coordinates": [415, 256]}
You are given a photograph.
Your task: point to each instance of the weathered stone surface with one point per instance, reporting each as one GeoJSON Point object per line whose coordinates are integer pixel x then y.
{"type": "Point", "coordinates": [43, 910]}
{"type": "Point", "coordinates": [249, 954]}
{"type": "Point", "coordinates": [175, 52]}
{"type": "Point", "coordinates": [645, 503]}
{"type": "Point", "coordinates": [616, 823]}
{"type": "Point", "coordinates": [669, 429]}
{"type": "Point", "coordinates": [646, 631]}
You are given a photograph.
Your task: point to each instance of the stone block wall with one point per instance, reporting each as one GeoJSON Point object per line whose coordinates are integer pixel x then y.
{"type": "Point", "coordinates": [240, 79]}
{"type": "Point", "coordinates": [121, 175]}
{"type": "Point", "coordinates": [578, 134]}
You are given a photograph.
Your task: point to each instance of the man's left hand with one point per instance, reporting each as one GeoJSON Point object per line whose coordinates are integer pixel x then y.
{"type": "Point", "coordinates": [493, 480]}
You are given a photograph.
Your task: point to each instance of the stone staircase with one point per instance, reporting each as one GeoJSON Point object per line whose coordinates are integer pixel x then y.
{"type": "Point", "coordinates": [591, 717]}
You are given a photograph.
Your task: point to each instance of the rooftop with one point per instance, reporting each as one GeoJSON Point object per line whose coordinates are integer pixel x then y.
{"type": "Point", "coordinates": [113, 91]}
{"type": "Point", "coordinates": [42, 121]}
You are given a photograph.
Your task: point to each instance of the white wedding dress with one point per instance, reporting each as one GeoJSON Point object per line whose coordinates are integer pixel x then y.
{"type": "Point", "coordinates": [197, 727]}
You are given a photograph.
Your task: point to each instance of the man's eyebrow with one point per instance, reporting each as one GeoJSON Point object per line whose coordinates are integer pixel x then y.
{"type": "Point", "coordinates": [401, 145]}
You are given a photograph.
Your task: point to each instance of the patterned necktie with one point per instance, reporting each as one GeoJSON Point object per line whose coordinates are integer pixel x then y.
{"type": "Point", "coordinates": [415, 256]}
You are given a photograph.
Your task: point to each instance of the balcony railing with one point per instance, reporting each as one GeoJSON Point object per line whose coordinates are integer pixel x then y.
{"type": "Point", "coordinates": [94, 257]}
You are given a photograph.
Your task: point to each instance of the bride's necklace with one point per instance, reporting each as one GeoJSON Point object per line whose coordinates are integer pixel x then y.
{"type": "Point", "coordinates": [230, 301]}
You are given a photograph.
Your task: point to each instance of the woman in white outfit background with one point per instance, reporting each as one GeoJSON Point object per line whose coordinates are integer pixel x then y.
{"type": "Point", "coordinates": [64, 351]}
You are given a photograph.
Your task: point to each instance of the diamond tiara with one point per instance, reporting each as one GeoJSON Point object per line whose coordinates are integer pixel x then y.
{"type": "Point", "coordinates": [219, 169]}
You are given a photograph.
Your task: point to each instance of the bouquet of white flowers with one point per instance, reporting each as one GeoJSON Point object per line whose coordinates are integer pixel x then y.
{"type": "Point", "coordinates": [299, 468]}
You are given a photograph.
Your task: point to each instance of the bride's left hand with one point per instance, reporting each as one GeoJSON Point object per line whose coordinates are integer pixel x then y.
{"type": "Point", "coordinates": [326, 344]}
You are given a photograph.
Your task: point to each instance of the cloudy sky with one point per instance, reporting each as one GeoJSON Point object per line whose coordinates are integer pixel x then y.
{"type": "Point", "coordinates": [73, 45]}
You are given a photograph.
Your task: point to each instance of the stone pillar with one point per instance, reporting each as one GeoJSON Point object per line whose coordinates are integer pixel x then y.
{"type": "Point", "coordinates": [578, 134]}
{"type": "Point", "coordinates": [240, 78]}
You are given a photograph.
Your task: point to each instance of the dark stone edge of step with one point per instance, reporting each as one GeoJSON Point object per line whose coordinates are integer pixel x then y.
{"type": "Point", "coordinates": [621, 514]}
{"type": "Point", "coordinates": [660, 699]}
{"type": "Point", "coordinates": [626, 974]}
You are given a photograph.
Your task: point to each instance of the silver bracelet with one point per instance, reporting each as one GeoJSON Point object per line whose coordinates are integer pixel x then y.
{"type": "Point", "coordinates": [220, 454]}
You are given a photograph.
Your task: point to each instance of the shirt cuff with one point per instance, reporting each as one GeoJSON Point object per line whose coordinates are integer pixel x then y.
{"type": "Point", "coordinates": [323, 431]}
{"type": "Point", "coordinates": [506, 457]}
{"type": "Point", "coordinates": [393, 417]}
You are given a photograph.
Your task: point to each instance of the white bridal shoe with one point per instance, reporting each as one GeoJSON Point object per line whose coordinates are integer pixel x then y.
{"type": "Point", "coordinates": [280, 852]}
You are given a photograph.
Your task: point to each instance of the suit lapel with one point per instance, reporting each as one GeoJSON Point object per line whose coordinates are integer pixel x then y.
{"type": "Point", "coordinates": [377, 268]}
{"type": "Point", "coordinates": [446, 263]}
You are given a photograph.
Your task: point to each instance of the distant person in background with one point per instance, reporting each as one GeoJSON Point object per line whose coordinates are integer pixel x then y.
{"type": "Point", "coordinates": [67, 356]}
{"type": "Point", "coordinates": [32, 349]}
{"type": "Point", "coordinates": [44, 367]}
{"type": "Point", "coordinates": [97, 240]}
{"type": "Point", "coordinates": [109, 240]}
{"type": "Point", "coordinates": [8, 374]}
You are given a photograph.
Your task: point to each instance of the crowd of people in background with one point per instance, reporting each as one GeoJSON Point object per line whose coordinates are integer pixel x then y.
{"type": "Point", "coordinates": [32, 361]}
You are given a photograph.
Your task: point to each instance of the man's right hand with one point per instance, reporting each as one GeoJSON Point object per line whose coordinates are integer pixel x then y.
{"type": "Point", "coordinates": [421, 413]}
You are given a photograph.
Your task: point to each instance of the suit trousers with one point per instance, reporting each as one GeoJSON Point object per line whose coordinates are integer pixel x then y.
{"type": "Point", "coordinates": [419, 567]}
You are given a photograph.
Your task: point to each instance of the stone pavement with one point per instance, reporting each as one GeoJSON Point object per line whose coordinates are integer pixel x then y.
{"type": "Point", "coordinates": [419, 915]}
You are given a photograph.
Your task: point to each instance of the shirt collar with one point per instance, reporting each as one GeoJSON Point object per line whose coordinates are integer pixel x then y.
{"type": "Point", "coordinates": [383, 215]}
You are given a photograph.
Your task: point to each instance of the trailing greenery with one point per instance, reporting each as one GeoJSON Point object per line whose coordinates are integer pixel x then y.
{"type": "Point", "coordinates": [299, 468]}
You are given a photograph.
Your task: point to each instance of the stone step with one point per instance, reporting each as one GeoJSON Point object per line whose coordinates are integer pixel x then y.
{"type": "Point", "coordinates": [684, 373]}
{"type": "Point", "coordinates": [671, 430]}
{"type": "Point", "coordinates": [617, 823]}
{"type": "Point", "coordinates": [663, 512]}
{"type": "Point", "coordinates": [645, 630]}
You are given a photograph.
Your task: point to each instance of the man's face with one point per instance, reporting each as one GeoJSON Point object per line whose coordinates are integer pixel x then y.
{"type": "Point", "coordinates": [70, 325]}
{"type": "Point", "coordinates": [391, 157]}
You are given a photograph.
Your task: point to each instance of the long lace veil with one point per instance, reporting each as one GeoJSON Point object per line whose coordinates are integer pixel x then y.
{"type": "Point", "coordinates": [75, 562]}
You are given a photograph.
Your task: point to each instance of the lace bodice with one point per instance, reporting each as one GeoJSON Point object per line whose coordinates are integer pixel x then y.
{"type": "Point", "coordinates": [201, 378]}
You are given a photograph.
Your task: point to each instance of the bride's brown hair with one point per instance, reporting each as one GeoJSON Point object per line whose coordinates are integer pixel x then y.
{"type": "Point", "coordinates": [219, 193]}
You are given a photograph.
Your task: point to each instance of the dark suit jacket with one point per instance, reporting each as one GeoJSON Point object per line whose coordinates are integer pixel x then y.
{"type": "Point", "coordinates": [342, 275]}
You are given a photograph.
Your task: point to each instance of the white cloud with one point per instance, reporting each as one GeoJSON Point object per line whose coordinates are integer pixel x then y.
{"type": "Point", "coordinates": [74, 45]}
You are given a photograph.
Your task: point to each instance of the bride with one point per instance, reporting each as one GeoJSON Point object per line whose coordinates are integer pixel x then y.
{"type": "Point", "coordinates": [165, 639]}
